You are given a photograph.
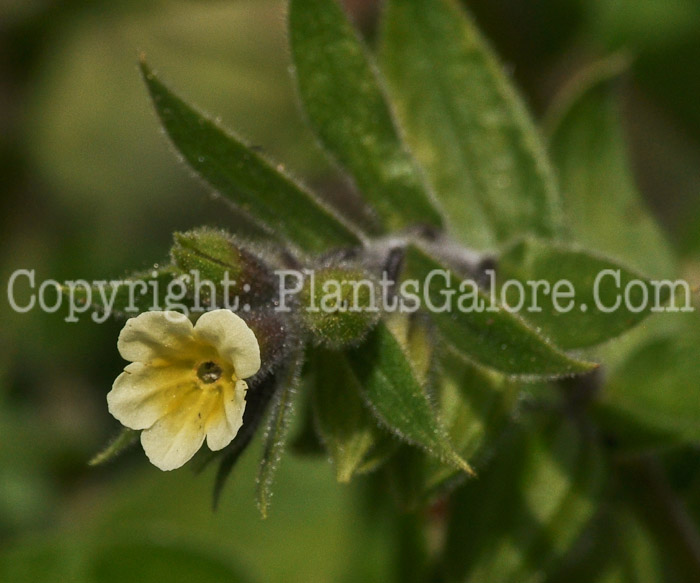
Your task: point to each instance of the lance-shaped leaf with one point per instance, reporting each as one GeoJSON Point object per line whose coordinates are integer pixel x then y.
{"type": "Point", "coordinates": [257, 399]}
{"type": "Point", "coordinates": [346, 106]}
{"type": "Point", "coordinates": [653, 398]}
{"type": "Point", "coordinates": [466, 125]}
{"type": "Point", "coordinates": [388, 384]}
{"type": "Point", "coordinates": [602, 205]}
{"type": "Point", "coordinates": [476, 406]}
{"type": "Point", "coordinates": [574, 297]}
{"type": "Point", "coordinates": [276, 433]}
{"type": "Point", "coordinates": [527, 506]}
{"type": "Point", "coordinates": [478, 327]}
{"type": "Point", "coordinates": [246, 178]}
{"type": "Point", "coordinates": [347, 428]}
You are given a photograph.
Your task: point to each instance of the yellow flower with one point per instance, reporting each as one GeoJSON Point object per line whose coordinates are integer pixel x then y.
{"type": "Point", "coordinates": [184, 382]}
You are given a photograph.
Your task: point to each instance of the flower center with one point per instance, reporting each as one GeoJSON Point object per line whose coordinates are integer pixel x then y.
{"type": "Point", "coordinates": [209, 372]}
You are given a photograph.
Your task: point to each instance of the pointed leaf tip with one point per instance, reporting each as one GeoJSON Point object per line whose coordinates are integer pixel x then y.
{"type": "Point", "coordinates": [255, 186]}
{"type": "Point", "coordinates": [389, 386]}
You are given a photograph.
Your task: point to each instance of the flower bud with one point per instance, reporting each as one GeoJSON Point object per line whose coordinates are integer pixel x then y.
{"type": "Point", "coordinates": [277, 335]}
{"type": "Point", "coordinates": [339, 305]}
{"type": "Point", "coordinates": [222, 269]}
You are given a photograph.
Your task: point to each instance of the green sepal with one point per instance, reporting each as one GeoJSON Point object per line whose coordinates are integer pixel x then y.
{"type": "Point", "coordinates": [234, 270]}
{"type": "Point", "coordinates": [125, 439]}
{"type": "Point", "coordinates": [339, 305]}
{"type": "Point", "coordinates": [276, 432]}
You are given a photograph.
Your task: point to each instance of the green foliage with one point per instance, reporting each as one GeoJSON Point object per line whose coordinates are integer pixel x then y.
{"type": "Point", "coordinates": [276, 432]}
{"type": "Point", "coordinates": [448, 381]}
{"type": "Point", "coordinates": [603, 207]}
{"type": "Point", "coordinates": [344, 101]}
{"type": "Point", "coordinates": [649, 397]}
{"type": "Point", "coordinates": [389, 386]}
{"type": "Point", "coordinates": [528, 507]}
{"type": "Point", "coordinates": [490, 336]}
{"type": "Point", "coordinates": [467, 125]}
{"type": "Point", "coordinates": [600, 301]}
{"type": "Point", "coordinates": [245, 177]}
{"type": "Point", "coordinates": [511, 458]}
{"type": "Point", "coordinates": [346, 426]}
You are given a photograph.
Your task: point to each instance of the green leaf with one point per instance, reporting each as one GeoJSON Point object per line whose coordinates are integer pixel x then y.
{"type": "Point", "coordinates": [246, 178]}
{"type": "Point", "coordinates": [258, 398]}
{"type": "Point", "coordinates": [276, 432]}
{"type": "Point", "coordinates": [602, 205]}
{"type": "Point", "coordinates": [580, 307]}
{"type": "Point", "coordinates": [389, 386]}
{"type": "Point", "coordinates": [346, 106]}
{"type": "Point", "coordinates": [476, 406]}
{"type": "Point", "coordinates": [481, 330]}
{"type": "Point", "coordinates": [653, 398]}
{"type": "Point", "coordinates": [467, 125]}
{"type": "Point", "coordinates": [527, 506]}
{"type": "Point", "coordinates": [139, 292]}
{"type": "Point", "coordinates": [126, 438]}
{"type": "Point", "coordinates": [347, 428]}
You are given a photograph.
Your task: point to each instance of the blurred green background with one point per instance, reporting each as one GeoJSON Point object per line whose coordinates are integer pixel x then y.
{"type": "Point", "coordinates": [92, 190]}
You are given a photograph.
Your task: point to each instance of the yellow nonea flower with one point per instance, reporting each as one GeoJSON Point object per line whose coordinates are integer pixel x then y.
{"type": "Point", "coordinates": [184, 382]}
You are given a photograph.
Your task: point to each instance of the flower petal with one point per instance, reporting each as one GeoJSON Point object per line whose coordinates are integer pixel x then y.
{"type": "Point", "coordinates": [234, 340]}
{"type": "Point", "coordinates": [226, 417]}
{"type": "Point", "coordinates": [174, 439]}
{"type": "Point", "coordinates": [156, 335]}
{"type": "Point", "coordinates": [142, 394]}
